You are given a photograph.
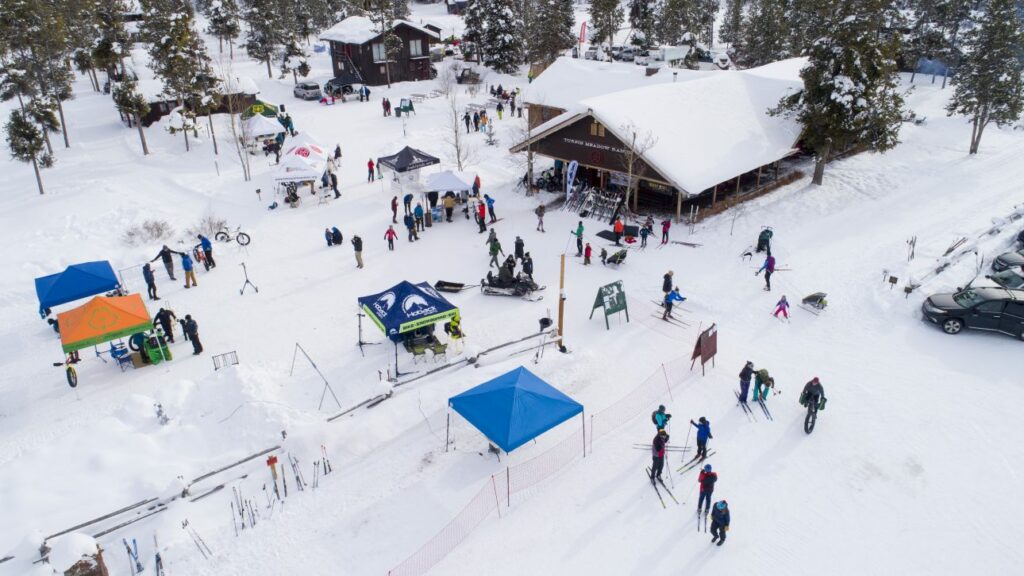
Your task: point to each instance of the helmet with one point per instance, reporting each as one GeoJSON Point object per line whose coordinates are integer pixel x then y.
{"type": "Point", "coordinates": [703, 420]}
{"type": "Point", "coordinates": [661, 408]}
{"type": "Point", "coordinates": [721, 505]}
{"type": "Point", "coordinates": [707, 467]}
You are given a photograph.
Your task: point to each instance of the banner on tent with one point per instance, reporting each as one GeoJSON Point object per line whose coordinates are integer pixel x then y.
{"type": "Point", "coordinates": [612, 298]}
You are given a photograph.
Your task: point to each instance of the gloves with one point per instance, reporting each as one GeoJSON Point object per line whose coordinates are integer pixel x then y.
{"type": "Point", "coordinates": [726, 528]}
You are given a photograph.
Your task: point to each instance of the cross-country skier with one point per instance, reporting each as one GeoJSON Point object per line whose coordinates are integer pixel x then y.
{"type": "Point", "coordinates": [764, 241]}
{"type": "Point", "coordinates": [658, 454]}
{"type": "Point", "coordinates": [660, 418]}
{"type": "Point", "coordinates": [703, 435]}
{"type": "Point", "coordinates": [745, 375]}
{"type": "Point", "coordinates": [769, 268]}
{"type": "Point", "coordinates": [707, 481]}
{"type": "Point", "coordinates": [644, 233]}
{"type": "Point", "coordinates": [390, 236]}
{"type": "Point", "coordinates": [813, 392]}
{"type": "Point", "coordinates": [528, 265]}
{"type": "Point", "coordinates": [579, 238]}
{"type": "Point", "coordinates": [720, 522]}
{"type": "Point", "coordinates": [763, 383]}
{"type": "Point", "coordinates": [670, 298]}
{"type": "Point", "coordinates": [666, 282]}
{"type": "Point", "coordinates": [782, 307]}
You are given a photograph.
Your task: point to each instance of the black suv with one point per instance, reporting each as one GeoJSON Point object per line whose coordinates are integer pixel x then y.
{"type": "Point", "coordinates": [995, 309]}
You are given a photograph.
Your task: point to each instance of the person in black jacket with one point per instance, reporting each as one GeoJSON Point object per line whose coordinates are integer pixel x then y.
{"type": "Point", "coordinates": [745, 375]}
{"type": "Point", "coordinates": [336, 236]}
{"type": "Point", "coordinates": [329, 236]}
{"type": "Point", "coordinates": [192, 331]}
{"type": "Point", "coordinates": [147, 275]}
{"type": "Point", "coordinates": [719, 522]}
{"type": "Point", "coordinates": [519, 248]}
{"type": "Point", "coordinates": [165, 254]}
{"type": "Point", "coordinates": [357, 245]}
{"type": "Point", "coordinates": [165, 318]}
{"type": "Point", "coordinates": [410, 225]}
{"type": "Point", "coordinates": [658, 454]}
{"type": "Point", "coordinates": [666, 283]}
{"type": "Point", "coordinates": [528, 265]}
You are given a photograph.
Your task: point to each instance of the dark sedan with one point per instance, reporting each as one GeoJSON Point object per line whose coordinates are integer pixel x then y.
{"type": "Point", "coordinates": [994, 309]}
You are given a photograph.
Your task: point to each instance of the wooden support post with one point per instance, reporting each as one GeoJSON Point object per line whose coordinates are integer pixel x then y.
{"type": "Point", "coordinates": [758, 185]}
{"type": "Point", "coordinates": [714, 196]}
{"type": "Point", "coordinates": [561, 302]}
{"type": "Point", "coordinates": [679, 205]}
{"type": "Point", "coordinates": [738, 184]}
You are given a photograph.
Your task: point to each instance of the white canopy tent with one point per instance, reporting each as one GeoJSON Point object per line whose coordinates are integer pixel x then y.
{"type": "Point", "coordinates": [450, 180]}
{"type": "Point", "coordinates": [304, 162]}
{"type": "Point", "coordinates": [259, 126]}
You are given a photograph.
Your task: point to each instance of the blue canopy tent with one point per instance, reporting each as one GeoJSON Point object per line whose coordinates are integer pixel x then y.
{"type": "Point", "coordinates": [514, 408]}
{"type": "Point", "coordinates": [403, 308]}
{"type": "Point", "coordinates": [76, 282]}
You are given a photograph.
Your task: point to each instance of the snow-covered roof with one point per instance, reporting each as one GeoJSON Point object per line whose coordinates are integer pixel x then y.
{"type": "Point", "coordinates": [707, 130]}
{"type": "Point", "coordinates": [360, 29]}
{"type": "Point", "coordinates": [569, 80]}
{"type": "Point", "coordinates": [152, 90]}
{"type": "Point", "coordinates": [239, 85]}
{"type": "Point", "coordinates": [259, 125]}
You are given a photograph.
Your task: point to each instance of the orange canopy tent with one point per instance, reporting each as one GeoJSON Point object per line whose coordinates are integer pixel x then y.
{"type": "Point", "coordinates": [103, 319]}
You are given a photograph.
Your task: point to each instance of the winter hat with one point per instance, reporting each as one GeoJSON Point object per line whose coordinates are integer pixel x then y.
{"type": "Point", "coordinates": [703, 420]}
{"type": "Point", "coordinates": [721, 505]}
{"type": "Point", "coordinates": [671, 273]}
{"type": "Point", "coordinates": [707, 467]}
{"type": "Point", "coordinates": [661, 408]}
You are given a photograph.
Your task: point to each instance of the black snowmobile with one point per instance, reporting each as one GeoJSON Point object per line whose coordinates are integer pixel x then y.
{"type": "Point", "coordinates": [505, 284]}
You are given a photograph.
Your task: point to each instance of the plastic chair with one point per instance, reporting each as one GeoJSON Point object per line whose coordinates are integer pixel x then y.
{"type": "Point", "coordinates": [440, 351]}
{"type": "Point", "coordinates": [419, 353]}
{"type": "Point", "coordinates": [120, 352]}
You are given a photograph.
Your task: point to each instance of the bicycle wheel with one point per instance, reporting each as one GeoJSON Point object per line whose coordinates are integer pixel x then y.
{"type": "Point", "coordinates": [243, 239]}
{"type": "Point", "coordinates": [222, 236]}
{"type": "Point", "coordinates": [812, 416]}
{"type": "Point", "coordinates": [72, 376]}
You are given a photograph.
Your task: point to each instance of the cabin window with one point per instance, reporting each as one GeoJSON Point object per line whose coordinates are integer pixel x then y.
{"type": "Point", "coordinates": [596, 129]}
{"type": "Point", "coordinates": [378, 52]}
{"type": "Point", "coordinates": [415, 47]}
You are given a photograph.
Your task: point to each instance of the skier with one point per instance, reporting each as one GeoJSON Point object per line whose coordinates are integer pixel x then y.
{"type": "Point", "coordinates": [192, 334]}
{"type": "Point", "coordinates": [357, 245]}
{"type": "Point", "coordinates": [703, 435]}
{"type": "Point", "coordinates": [707, 481]}
{"type": "Point", "coordinates": [764, 241]}
{"type": "Point", "coordinates": [745, 375]}
{"type": "Point", "coordinates": [165, 255]}
{"type": "Point", "coordinates": [490, 208]}
{"type": "Point", "coordinates": [390, 236]}
{"type": "Point", "coordinates": [618, 228]}
{"type": "Point", "coordinates": [658, 454]}
{"type": "Point", "coordinates": [528, 265]}
{"type": "Point", "coordinates": [769, 269]}
{"type": "Point", "coordinates": [519, 245]}
{"type": "Point", "coordinates": [188, 267]}
{"type": "Point", "coordinates": [762, 385]}
{"type": "Point", "coordinates": [165, 317]}
{"type": "Point", "coordinates": [410, 225]}
{"type": "Point", "coordinates": [670, 298]}
{"type": "Point", "coordinates": [644, 233]}
{"type": "Point", "coordinates": [476, 121]}
{"type": "Point", "coordinates": [336, 236]}
{"type": "Point", "coordinates": [500, 108]}
{"type": "Point", "coordinates": [417, 213]}
{"type": "Point", "coordinates": [719, 522]}
{"type": "Point", "coordinates": [666, 284]}
{"type": "Point", "coordinates": [665, 225]}
{"type": "Point", "coordinates": [481, 216]}
{"type": "Point", "coordinates": [782, 307]}
{"type": "Point", "coordinates": [494, 250]}
{"type": "Point", "coordinates": [813, 393]}
{"type": "Point", "coordinates": [540, 217]}
{"type": "Point", "coordinates": [586, 255]}
{"type": "Point", "coordinates": [147, 275]}
{"type": "Point", "coordinates": [407, 202]}
{"type": "Point", "coordinates": [369, 170]}
{"type": "Point", "coordinates": [329, 236]}
{"type": "Point", "coordinates": [512, 107]}
{"type": "Point", "coordinates": [467, 120]}
{"type": "Point", "coordinates": [449, 206]}
{"type": "Point", "coordinates": [394, 210]}
{"type": "Point", "coordinates": [660, 418]}
{"type": "Point", "coordinates": [579, 238]}
{"type": "Point", "coordinates": [207, 247]}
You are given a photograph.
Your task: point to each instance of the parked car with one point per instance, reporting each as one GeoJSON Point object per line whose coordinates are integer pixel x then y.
{"type": "Point", "coordinates": [467, 76]}
{"type": "Point", "coordinates": [994, 309]}
{"type": "Point", "coordinates": [626, 54]}
{"type": "Point", "coordinates": [307, 91]}
{"type": "Point", "coordinates": [1009, 260]}
{"type": "Point", "coordinates": [338, 86]}
{"type": "Point", "coordinates": [1013, 279]}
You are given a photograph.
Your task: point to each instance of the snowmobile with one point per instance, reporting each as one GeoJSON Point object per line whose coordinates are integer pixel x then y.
{"type": "Point", "coordinates": [504, 285]}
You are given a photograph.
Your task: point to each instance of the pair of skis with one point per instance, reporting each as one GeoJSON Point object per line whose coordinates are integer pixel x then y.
{"type": "Point", "coordinates": [658, 492]}
{"type": "Point", "coordinates": [134, 566]}
{"type": "Point", "coordinates": [197, 539]}
{"type": "Point", "coordinates": [764, 409]}
{"type": "Point", "coordinates": [746, 407]}
{"type": "Point", "coordinates": [697, 461]}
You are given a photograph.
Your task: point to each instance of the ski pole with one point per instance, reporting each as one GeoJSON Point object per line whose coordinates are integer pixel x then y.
{"type": "Point", "coordinates": [689, 429]}
{"type": "Point", "coordinates": [233, 523]}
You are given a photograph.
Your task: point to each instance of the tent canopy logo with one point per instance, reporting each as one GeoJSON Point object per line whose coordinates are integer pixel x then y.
{"type": "Point", "coordinates": [415, 305]}
{"type": "Point", "coordinates": [384, 304]}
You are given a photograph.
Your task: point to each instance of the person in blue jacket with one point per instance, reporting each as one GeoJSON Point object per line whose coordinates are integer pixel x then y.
{"type": "Point", "coordinates": [187, 266]}
{"type": "Point", "coordinates": [417, 213]}
{"type": "Point", "coordinates": [490, 208]}
{"type": "Point", "coordinates": [719, 522]}
{"type": "Point", "coordinates": [147, 275]}
{"type": "Point", "coordinates": [660, 418]}
{"type": "Point", "coordinates": [671, 298]}
{"type": "Point", "coordinates": [703, 435]}
{"type": "Point", "coordinates": [407, 200]}
{"type": "Point", "coordinates": [207, 247]}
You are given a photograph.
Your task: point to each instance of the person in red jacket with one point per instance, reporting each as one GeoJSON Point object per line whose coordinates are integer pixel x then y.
{"type": "Point", "coordinates": [390, 236]}
{"type": "Point", "coordinates": [618, 228]}
{"type": "Point", "coordinates": [707, 481]}
{"type": "Point", "coordinates": [586, 254]}
{"type": "Point", "coordinates": [394, 210]}
{"type": "Point", "coordinates": [369, 170]}
{"type": "Point", "coordinates": [481, 216]}
{"type": "Point", "coordinates": [665, 225]}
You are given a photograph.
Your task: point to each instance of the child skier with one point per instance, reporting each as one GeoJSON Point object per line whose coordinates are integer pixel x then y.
{"type": "Point", "coordinates": [586, 255]}
{"type": "Point", "coordinates": [707, 481]}
{"type": "Point", "coordinates": [670, 298]}
{"type": "Point", "coordinates": [720, 522]}
{"type": "Point", "coordinates": [782, 307]}
{"type": "Point", "coordinates": [703, 435]}
{"type": "Point", "coordinates": [763, 383]}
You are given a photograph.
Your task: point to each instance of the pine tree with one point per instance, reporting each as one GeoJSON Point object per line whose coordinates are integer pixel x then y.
{"type": "Point", "coordinates": [988, 84]}
{"type": "Point", "coordinates": [676, 19]}
{"type": "Point", "coordinates": [805, 21]}
{"type": "Point", "coordinates": [504, 46]}
{"type": "Point", "coordinates": [702, 20]}
{"type": "Point", "coordinates": [114, 42]}
{"type": "Point", "coordinates": [43, 111]}
{"type": "Point", "coordinates": [132, 105]}
{"type": "Point", "coordinates": [553, 31]}
{"type": "Point", "coordinates": [476, 27]}
{"type": "Point", "coordinates": [25, 141]}
{"type": "Point", "coordinates": [265, 35]}
{"type": "Point", "coordinates": [382, 14]}
{"type": "Point", "coordinates": [223, 17]}
{"type": "Point", "coordinates": [606, 17]}
{"type": "Point", "coordinates": [850, 94]}
{"type": "Point", "coordinates": [732, 25]}
{"type": "Point", "coordinates": [642, 20]}
{"type": "Point", "coordinates": [294, 59]}
{"type": "Point", "coordinates": [764, 35]}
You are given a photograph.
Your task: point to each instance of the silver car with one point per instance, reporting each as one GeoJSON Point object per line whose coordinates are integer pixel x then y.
{"type": "Point", "coordinates": [307, 91]}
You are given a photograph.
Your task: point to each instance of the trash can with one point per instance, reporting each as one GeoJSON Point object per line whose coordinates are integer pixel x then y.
{"type": "Point", "coordinates": [428, 218]}
{"type": "Point", "coordinates": [398, 111]}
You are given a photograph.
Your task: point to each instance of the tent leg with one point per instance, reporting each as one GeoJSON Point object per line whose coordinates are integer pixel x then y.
{"type": "Point", "coordinates": [583, 427]}
{"type": "Point", "coordinates": [447, 431]}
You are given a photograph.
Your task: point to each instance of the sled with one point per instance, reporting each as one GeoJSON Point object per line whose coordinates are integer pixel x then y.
{"type": "Point", "coordinates": [452, 287]}
{"type": "Point", "coordinates": [815, 303]}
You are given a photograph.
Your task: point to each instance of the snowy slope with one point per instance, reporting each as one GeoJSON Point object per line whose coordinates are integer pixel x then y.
{"type": "Point", "coordinates": [913, 467]}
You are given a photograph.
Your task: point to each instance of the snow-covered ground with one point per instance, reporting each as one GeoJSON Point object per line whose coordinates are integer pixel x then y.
{"type": "Point", "coordinates": [913, 468]}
